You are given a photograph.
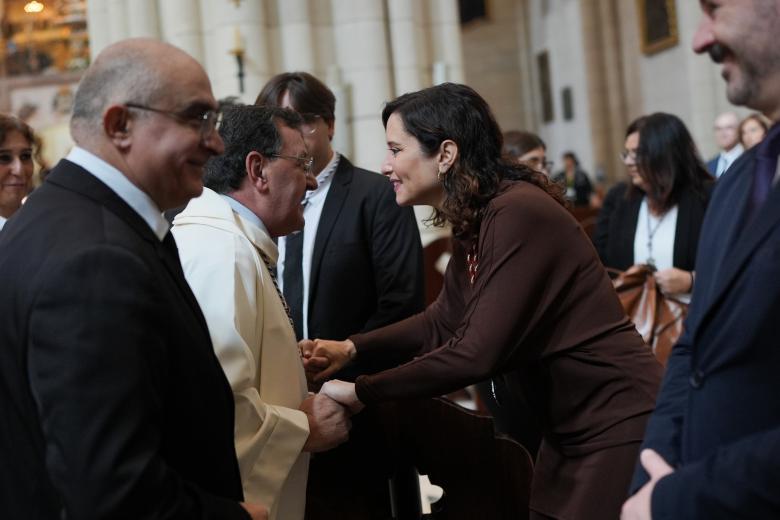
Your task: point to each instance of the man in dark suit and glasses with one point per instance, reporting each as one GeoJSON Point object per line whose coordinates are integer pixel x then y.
{"type": "Point", "coordinates": [357, 241]}
{"type": "Point", "coordinates": [713, 442]}
{"type": "Point", "coordinates": [112, 402]}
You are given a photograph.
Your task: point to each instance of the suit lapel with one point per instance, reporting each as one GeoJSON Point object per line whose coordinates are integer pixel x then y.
{"type": "Point", "coordinates": [75, 178]}
{"type": "Point", "coordinates": [331, 209]}
{"type": "Point", "coordinates": [740, 240]}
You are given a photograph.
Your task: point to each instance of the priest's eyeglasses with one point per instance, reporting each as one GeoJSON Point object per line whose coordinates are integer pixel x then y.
{"type": "Point", "coordinates": [304, 161]}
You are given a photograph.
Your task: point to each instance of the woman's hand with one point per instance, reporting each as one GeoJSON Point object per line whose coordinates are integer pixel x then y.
{"type": "Point", "coordinates": [344, 393]}
{"type": "Point", "coordinates": [674, 281]}
{"type": "Point", "coordinates": [322, 358]}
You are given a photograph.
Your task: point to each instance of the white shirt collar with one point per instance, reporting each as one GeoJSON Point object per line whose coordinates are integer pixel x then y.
{"type": "Point", "coordinates": [323, 179]}
{"type": "Point", "coordinates": [121, 185]}
{"type": "Point", "coordinates": [2, 222]}
{"type": "Point", "coordinates": [245, 212]}
{"type": "Point", "coordinates": [732, 154]}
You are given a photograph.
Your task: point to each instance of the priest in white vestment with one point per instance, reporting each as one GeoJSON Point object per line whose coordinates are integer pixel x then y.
{"type": "Point", "coordinates": [226, 246]}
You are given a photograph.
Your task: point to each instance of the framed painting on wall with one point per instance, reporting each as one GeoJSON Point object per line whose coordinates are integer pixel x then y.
{"type": "Point", "coordinates": [657, 25]}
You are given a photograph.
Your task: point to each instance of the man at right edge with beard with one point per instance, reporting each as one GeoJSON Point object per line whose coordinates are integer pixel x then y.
{"type": "Point", "coordinates": [712, 446]}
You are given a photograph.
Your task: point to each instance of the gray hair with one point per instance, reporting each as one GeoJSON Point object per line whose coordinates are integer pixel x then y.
{"type": "Point", "coordinates": [126, 72]}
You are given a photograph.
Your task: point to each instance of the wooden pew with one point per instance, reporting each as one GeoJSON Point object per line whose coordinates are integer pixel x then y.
{"type": "Point", "coordinates": [374, 475]}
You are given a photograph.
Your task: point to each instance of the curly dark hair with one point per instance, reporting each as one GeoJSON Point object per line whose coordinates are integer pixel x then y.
{"type": "Point", "coordinates": [457, 112]}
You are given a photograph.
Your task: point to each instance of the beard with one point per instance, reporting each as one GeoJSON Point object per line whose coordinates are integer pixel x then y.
{"type": "Point", "coordinates": [743, 83]}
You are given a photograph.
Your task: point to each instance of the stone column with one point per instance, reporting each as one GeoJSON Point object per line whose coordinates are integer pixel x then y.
{"type": "Point", "coordinates": [445, 37]}
{"type": "Point", "coordinates": [606, 89]}
{"type": "Point", "coordinates": [362, 53]}
{"type": "Point", "coordinates": [142, 19]}
{"type": "Point", "coordinates": [180, 26]}
{"type": "Point", "coordinates": [226, 27]}
{"type": "Point", "coordinates": [528, 91]}
{"type": "Point", "coordinates": [97, 26]}
{"type": "Point", "coordinates": [411, 66]}
{"type": "Point", "coordinates": [117, 20]}
{"type": "Point", "coordinates": [295, 32]}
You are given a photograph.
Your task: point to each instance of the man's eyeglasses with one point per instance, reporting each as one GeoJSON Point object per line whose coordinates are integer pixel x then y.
{"type": "Point", "coordinates": [309, 125]}
{"type": "Point", "coordinates": [304, 162]}
{"type": "Point", "coordinates": [206, 122]}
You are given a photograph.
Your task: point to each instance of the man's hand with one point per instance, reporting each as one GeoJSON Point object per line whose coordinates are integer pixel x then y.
{"type": "Point", "coordinates": [256, 511]}
{"type": "Point", "coordinates": [674, 281]}
{"type": "Point", "coordinates": [638, 506]}
{"type": "Point", "coordinates": [344, 393]}
{"type": "Point", "coordinates": [329, 423]}
{"type": "Point", "coordinates": [323, 358]}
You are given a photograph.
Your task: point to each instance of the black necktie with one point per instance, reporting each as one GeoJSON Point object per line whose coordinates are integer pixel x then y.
{"type": "Point", "coordinates": [293, 280]}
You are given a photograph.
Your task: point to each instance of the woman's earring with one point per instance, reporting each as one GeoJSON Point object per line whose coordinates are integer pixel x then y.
{"type": "Point", "coordinates": [440, 175]}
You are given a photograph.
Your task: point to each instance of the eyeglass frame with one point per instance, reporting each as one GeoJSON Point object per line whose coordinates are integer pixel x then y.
{"type": "Point", "coordinates": [626, 154]}
{"type": "Point", "coordinates": [539, 164]}
{"type": "Point", "coordinates": [307, 120]}
{"type": "Point", "coordinates": [307, 166]}
{"type": "Point", "coordinates": [208, 122]}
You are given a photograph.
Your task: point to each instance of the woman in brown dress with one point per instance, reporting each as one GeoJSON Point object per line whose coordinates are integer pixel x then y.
{"type": "Point", "coordinates": [525, 299]}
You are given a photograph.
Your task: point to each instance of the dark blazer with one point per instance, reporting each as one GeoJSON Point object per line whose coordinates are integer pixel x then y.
{"type": "Point", "coordinates": [112, 402]}
{"type": "Point", "coordinates": [712, 165]}
{"type": "Point", "coordinates": [616, 227]}
{"type": "Point", "coordinates": [367, 268]}
{"type": "Point", "coordinates": [717, 418]}
{"type": "Point", "coordinates": [582, 186]}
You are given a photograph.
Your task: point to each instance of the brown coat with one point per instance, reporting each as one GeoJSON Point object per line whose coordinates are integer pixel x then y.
{"type": "Point", "coordinates": [543, 314]}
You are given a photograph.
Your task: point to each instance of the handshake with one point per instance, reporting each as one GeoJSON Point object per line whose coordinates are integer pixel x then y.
{"type": "Point", "coordinates": [329, 410]}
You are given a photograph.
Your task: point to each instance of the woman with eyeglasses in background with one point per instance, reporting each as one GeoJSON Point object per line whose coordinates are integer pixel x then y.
{"type": "Point", "coordinates": [527, 148]}
{"type": "Point", "coordinates": [18, 148]}
{"type": "Point", "coordinates": [654, 218]}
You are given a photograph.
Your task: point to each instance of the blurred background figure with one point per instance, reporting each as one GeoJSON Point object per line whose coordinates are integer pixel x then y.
{"type": "Point", "coordinates": [575, 180]}
{"type": "Point", "coordinates": [527, 148]}
{"type": "Point", "coordinates": [752, 130]}
{"type": "Point", "coordinates": [18, 148]}
{"type": "Point", "coordinates": [655, 217]}
{"type": "Point", "coordinates": [727, 139]}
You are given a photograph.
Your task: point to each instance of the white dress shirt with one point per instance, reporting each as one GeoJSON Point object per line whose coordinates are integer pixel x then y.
{"type": "Point", "coordinates": [2, 222]}
{"type": "Point", "coordinates": [663, 229]}
{"type": "Point", "coordinates": [314, 202]}
{"type": "Point", "coordinates": [121, 185]}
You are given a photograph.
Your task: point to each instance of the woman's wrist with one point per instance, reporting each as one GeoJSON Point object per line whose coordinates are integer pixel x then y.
{"type": "Point", "coordinates": [351, 350]}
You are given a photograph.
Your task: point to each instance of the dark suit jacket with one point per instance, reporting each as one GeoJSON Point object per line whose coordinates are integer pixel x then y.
{"type": "Point", "coordinates": [112, 402]}
{"type": "Point", "coordinates": [616, 227]}
{"type": "Point", "coordinates": [718, 416]}
{"type": "Point", "coordinates": [582, 186]}
{"type": "Point", "coordinates": [712, 165]}
{"type": "Point", "coordinates": [367, 268]}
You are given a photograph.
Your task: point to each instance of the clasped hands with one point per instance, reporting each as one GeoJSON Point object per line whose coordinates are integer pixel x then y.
{"type": "Point", "coordinates": [323, 358]}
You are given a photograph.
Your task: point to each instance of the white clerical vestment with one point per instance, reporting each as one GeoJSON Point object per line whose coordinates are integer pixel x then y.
{"type": "Point", "coordinates": [221, 255]}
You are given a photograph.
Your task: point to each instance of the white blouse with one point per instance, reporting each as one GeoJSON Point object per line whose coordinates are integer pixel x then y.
{"type": "Point", "coordinates": [654, 237]}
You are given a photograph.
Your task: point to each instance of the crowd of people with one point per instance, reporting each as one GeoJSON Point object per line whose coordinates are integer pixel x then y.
{"type": "Point", "coordinates": [200, 296]}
